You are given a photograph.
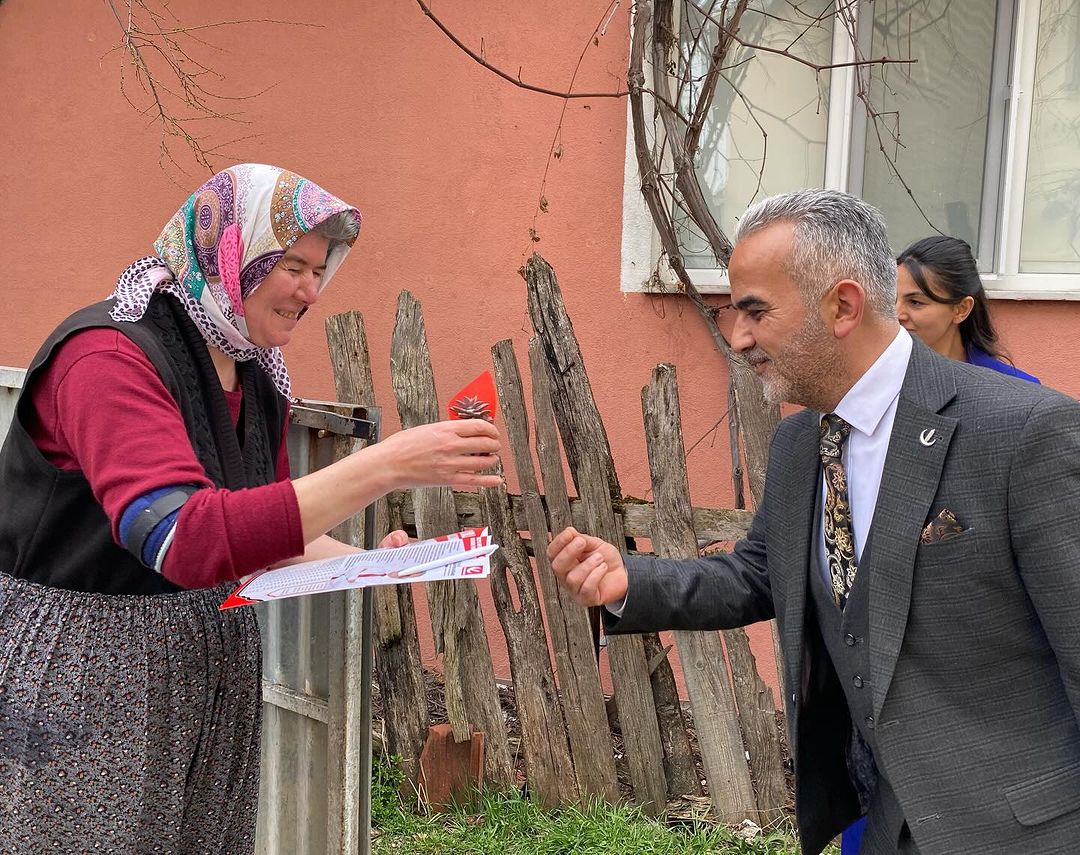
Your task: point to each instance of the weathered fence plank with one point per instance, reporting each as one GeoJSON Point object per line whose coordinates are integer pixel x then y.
{"type": "Point", "coordinates": [565, 758]}
{"type": "Point", "coordinates": [702, 654]}
{"type": "Point", "coordinates": [754, 698]}
{"type": "Point", "coordinates": [397, 645]}
{"type": "Point", "coordinates": [758, 718]}
{"type": "Point", "coordinates": [757, 421]}
{"type": "Point", "coordinates": [629, 671]}
{"type": "Point", "coordinates": [680, 770]}
{"type": "Point", "coordinates": [639, 520]}
{"type": "Point", "coordinates": [559, 506]}
{"type": "Point", "coordinates": [756, 714]}
{"type": "Point", "coordinates": [571, 638]}
{"type": "Point", "coordinates": [582, 430]}
{"type": "Point", "coordinates": [588, 454]}
{"type": "Point", "coordinates": [549, 768]}
{"type": "Point", "coordinates": [472, 700]}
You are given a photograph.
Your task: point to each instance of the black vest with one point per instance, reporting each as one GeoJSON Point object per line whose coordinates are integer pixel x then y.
{"type": "Point", "coordinates": [846, 635]}
{"type": "Point", "coordinates": [53, 531]}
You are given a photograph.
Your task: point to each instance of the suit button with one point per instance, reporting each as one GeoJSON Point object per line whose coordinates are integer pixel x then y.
{"type": "Point", "coordinates": [850, 640]}
{"type": "Point", "coordinates": [870, 722]}
{"type": "Point", "coordinates": [858, 681]}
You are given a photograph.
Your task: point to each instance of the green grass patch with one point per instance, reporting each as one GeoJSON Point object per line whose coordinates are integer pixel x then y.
{"type": "Point", "coordinates": [509, 824]}
{"type": "Point", "coordinates": [386, 782]}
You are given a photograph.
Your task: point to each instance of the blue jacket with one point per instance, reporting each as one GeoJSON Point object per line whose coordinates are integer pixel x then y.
{"type": "Point", "coordinates": [985, 360]}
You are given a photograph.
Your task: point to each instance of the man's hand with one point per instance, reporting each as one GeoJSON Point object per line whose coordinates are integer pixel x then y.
{"type": "Point", "coordinates": [591, 569]}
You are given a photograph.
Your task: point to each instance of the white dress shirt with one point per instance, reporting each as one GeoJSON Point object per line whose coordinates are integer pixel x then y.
{"type": "Point", "coordinates": [870, 408]}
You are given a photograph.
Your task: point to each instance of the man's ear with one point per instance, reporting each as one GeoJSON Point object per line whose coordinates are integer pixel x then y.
{"type": "Point", "coordinates": [845, 306]}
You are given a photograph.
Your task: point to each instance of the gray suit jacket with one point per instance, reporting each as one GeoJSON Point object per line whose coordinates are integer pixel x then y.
{"type": "Point", "coordinates": [974, 640]}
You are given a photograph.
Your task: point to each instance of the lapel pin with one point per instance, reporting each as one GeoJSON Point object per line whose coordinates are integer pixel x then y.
{"type": "Point", "coordinates": [928, 437]}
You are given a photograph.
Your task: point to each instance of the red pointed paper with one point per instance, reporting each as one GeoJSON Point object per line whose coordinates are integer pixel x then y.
{"type": "Point", "coordinates": [237, 598]}
{"type": "Point", "coordinates": [475, 401]}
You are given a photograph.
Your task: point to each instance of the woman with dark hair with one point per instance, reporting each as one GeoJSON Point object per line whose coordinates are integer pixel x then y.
{"type": "Point", "coordinates": [144, 473]}
{"type": "Point", "coordinates": [940, 298]}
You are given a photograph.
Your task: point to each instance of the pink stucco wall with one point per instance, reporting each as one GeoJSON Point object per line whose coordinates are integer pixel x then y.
{"type": "Point", "coordinates": [445, 160]}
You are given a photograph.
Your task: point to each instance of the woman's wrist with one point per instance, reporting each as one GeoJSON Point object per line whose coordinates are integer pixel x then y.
{"type": "Point", "coordinates": [372, 469]}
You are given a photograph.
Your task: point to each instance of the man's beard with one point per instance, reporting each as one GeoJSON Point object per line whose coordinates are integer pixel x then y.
{"type": "Point", "coordinates": [805, 369]}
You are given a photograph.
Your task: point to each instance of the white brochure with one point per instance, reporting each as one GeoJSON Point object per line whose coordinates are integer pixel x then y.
{"type": "Point", "coordinates": [461, 555]}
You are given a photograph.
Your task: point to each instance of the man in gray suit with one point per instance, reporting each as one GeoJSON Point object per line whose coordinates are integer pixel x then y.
{"type": "Point", "coordinates": [918, 544]}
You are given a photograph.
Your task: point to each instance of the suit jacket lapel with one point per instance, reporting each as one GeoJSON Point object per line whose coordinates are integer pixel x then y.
{"type": "Point", "coordinates": [909, 482]}
{"type": "Point", "coordinates": [797, 505]}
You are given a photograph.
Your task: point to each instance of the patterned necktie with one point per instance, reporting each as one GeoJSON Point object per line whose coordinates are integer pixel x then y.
{"type": "Point", "coordinates": [839, 533]}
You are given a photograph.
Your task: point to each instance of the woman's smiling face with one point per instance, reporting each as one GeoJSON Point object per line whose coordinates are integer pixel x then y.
{"type": "Point", "coordinates": [937, 324]}
{"type": "Point", "coordinates": [274, 308]}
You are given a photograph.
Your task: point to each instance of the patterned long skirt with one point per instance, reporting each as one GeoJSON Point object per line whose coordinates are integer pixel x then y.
{"type": "Point", "coordinates": [128, 724]}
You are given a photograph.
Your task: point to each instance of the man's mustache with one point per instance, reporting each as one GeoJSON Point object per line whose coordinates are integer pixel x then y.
{"type": "Point", "coordinates": [752, 358]}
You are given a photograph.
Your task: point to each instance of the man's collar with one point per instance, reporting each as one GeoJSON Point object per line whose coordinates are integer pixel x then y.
{"type": "Point", "coordinates": [931, 378]}
{"type": "Point", "coordinates": [868, 400]}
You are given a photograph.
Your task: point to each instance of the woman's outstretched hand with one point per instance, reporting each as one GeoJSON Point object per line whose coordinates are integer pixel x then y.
{"type": "Point", "coordinates": [395, 539]}
{"type": "Point", "coordinates": [451, 453]}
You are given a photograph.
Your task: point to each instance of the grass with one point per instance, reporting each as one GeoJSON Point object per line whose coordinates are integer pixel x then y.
{"type": "Point", "coordinates": [510, 824]}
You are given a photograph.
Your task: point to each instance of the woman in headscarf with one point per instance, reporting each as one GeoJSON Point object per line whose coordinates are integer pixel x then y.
{"type": "Point", "coordinates": [146, 471]}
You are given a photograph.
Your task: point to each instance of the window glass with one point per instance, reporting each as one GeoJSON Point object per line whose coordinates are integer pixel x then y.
{"type": "Point", "coordinates": [736, 162]}
{"type": "Point", "coordinates": [1050, 236]}
{"type": "Point", "coordinates": [933, 122]}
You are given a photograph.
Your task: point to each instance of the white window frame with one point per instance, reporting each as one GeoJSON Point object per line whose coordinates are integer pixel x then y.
{"type": "Point", "coordinates": [641, 243]}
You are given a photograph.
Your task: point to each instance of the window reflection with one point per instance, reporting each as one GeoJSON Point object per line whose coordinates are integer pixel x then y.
{"type": "Point", "coordinates": [934, 117]}
{"type": "Point", "coordinates": [1050, 236]}
{"type": "Point", "coordinates": [737, 163]}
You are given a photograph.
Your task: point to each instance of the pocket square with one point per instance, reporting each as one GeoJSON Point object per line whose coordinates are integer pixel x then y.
{"type": "Point", "coordinates": [942, 527]}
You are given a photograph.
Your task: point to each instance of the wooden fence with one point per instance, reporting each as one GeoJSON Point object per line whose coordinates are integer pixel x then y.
{"type": "Point", "coordinates": [567, 740]}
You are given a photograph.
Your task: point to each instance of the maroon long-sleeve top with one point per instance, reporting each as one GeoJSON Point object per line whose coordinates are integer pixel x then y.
{"type": "Point", "coordinates": [101, 408]}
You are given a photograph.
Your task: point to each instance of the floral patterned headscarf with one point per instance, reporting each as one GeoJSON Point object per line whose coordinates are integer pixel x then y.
{"type": "Point", "coordinates": [220, 246]}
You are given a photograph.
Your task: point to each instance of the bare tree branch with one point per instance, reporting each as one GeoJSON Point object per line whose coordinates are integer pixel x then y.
{"type": "Point", "coordinates": [697, 123]}
{"type": "Point", "coordinates": [517, 81]}
{"type": "Point", "coordinates": [862, 93]}
{"type": "Point", "coordinates": [819, 67]}
{"type": "Point", "coordinates": [686, 181]}
{"type": "Point", "coordinates": [172, 78]}
{"type": "Point", "coordinates": [555, 149]}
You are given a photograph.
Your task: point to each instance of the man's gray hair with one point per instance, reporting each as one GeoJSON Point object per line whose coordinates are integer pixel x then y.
{"type": "Point", "coordinates": [342, 227]}
{"type": "Point", "coordinates": [837, 236]}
